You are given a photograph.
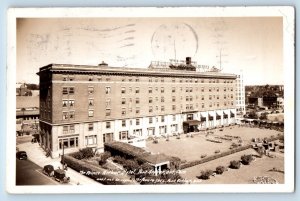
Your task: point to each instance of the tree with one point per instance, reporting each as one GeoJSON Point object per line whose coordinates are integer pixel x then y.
{"type": "Point", "coordinates": [246, 159]}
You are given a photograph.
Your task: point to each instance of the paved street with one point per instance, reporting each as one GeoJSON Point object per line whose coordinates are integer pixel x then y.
{"type": "Point", "coordinates": [28, 173]}
{"type": "Point", "coordinates": [37, 155]}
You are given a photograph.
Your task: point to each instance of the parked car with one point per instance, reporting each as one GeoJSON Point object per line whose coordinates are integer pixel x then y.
{"type": "Point", "coordinates": [22, 155]}
{"type": "Point", "coordinates": [60, 176]}
{"type": "Point", "coordinates": [48, 170]}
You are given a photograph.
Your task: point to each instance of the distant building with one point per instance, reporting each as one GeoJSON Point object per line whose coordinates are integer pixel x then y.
{"type": "Point", "coordinates": [27, 113]}
{"type": "Point", "coordinates": [87, 106]}
{"type": "Point", "coordinates": [240, 95]}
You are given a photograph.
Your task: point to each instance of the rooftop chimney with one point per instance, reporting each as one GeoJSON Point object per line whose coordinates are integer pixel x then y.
{"type": "Point", "coordinates": [103, 64]}
{"type": "Point", "coordinates": [188, 60]}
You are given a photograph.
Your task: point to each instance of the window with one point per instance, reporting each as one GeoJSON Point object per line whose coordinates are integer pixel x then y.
{"type": "Point", "coordinates": [196, 80]}
{"type": "Point", "coordinates": [224, 88]}
{"type": "Point", "coordinates": [191, 89]}
{"type": "Point", "coordinates": [202, 97]}
{"type": "Point", "coordinates": [65, 90]}
{"type": "Point", "coordinates": [150, 79]}
{"type": "Point", "coordinates": [108, 79]}
{"type": "Point", "coordinates": [123, 90]}
{"type": "Point", "coordinates": [90, 140]}
{"type": "Point", "coordinates": [71, 102]}
{"type": "Point", "coordinates": [91, 102]}
{"type": "Point", "coordinates": [162, 108]}
{"type": "Point", "coordinates": [174, 117]}
{"type": "Point", "coordinates": [65, 78]}
{"type": "Point", "coordinates": [107, 124]}
{"type": "Point", "coordinates": [123, 135]}
{"type": "Point", "coordinates": [162, 118]}
{"type": "Point", "coordinates": [72, 115]}
{"type": "Point", "coordinates": [137, 79]}
{"type": "Point", "coordinates": [107, 102]}
{"type": "Point", "coordinates": [156, 107]}
{"type": "Point", "coordinates": [137, 90]}
{"type": "Point", "coordinates": [150, 109]}
{"type": "Point", "coordinates": [65, 103]}
{"type": "Point", "coordinates": [91, 127]}
{"type": "Point", "coordinates": [217, 104]}
{"type": "Point", "coordinates": [224, 96]}
{"type": "Point", "coordinates": [202, 80]}
{"type": "Point", "coordinates": [90, 78]}
{"type": "Point", "coordinates": [173, 79]}
{"type": "Point", "coordinates": [180, 80]}
{"type": "Point", "coordinates": [107, 90]}
{"type": "Point", "coordinates": [186, 89]}
{"type": "Point", "coordinates": [218, 97]}
{"type": "Point", "coordinates": [71, 90]}
{"type": "Point", "coordinates": [107, 112]}
{"type": "Point", "coordinates": [91, 113]}
{"type": "Point", "coordinates": [191, 98]}
{"type": "Point", "coordinates": [162, 80]}
{"type": "Point", "coordinates": [72, 129]}
{"type": "Point", "coordinates": [202, 89]}
{"type": "Point", "coordinates": [202, 105]}
{"type": "Point", "coordinates": [150, 100]}
{"type": "Point", "coordinates": [137, 122]}
{"type": "Point", "coordinates": [150, 120]}
{"type": "Point", "coordinates": [209, 89]}
{"type": "Point", "coordinates": [209, 97]}
{"type": "Point", "coordinates": [123, 79]}
{"type": "Point", "coordinates": [130, 89]}
{"type": "Point", "coordinates": [137, 110]}
{"type": "Point", "coordinates": [65, 129]}
{"type": "Point", "coordinates": [65, 115]}
{"type": "Point", "coordinates": [150, 90]}
{"type": "Point", "coordinates": [123, 101]}
{"type": "Point", "coordinates": [123, 111]}
{"type": "Point", "coordinates": [162, 99]}
{"type": "Point", "coordinates": [137, 100]}
{"type": "Point", "coordinates": [162, 90]}
{"type": "Point", "coordinates": [217, 89]}
{"type": "Point", "coordinates": [210, 104]}
{"type": "Point", "coordinates": [173, 90]}
{"type": "Point", "coordinates": [90, 90]}
{"type": "Point", "coordinates": [173, 98]}
{"type": "Point", "coordinates": [123, 123]}
{"type": "Point", "coordinates": [173, 107]}
{"type": "Point", "coordinates": [187, 98]}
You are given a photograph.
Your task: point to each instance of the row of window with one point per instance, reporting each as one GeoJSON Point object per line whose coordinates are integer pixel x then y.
{"type": "Point", "coordinates": [71, 90]}
{"type": "Point", "coordinates": [150, 79]}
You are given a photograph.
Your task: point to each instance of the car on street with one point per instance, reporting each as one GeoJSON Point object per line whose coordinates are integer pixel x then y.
{"type": "Point", "coordinates": [48, 170]}
{"type": "Point", "coordinates": [60, 176]}
{"type": "Point", "coordinates": [22, 155]}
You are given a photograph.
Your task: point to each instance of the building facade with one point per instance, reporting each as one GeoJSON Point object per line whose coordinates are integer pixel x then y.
{"type": "Point", "coordinates": [86, 106]}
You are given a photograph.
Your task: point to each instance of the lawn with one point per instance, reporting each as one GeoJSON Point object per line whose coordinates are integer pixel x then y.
{"type": "Point", "coordinates": [189, 149]}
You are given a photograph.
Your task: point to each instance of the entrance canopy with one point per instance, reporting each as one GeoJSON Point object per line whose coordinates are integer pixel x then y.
{"type": "Point", "coordinates": [192, 122]}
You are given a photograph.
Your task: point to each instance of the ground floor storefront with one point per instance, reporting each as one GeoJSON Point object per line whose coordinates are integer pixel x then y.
{"type": "Point", "coordinates": [69, 137]}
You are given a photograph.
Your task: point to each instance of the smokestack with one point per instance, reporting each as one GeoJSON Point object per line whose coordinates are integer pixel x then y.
{"type": "Point", "coordinates": [188, 60]}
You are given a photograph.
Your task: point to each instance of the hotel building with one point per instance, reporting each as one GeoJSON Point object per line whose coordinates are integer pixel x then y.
{"type": "Point", "coordinates": [86, 106]}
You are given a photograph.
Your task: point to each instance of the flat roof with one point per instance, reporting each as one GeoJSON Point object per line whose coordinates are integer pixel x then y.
{"type": "Point", "coordinates": [70, 68]}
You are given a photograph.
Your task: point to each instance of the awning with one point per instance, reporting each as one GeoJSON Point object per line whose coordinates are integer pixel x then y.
{"type": "Point", "coordinates": [202, 118]}
{"type": "Point", "coordinates": [231, 114]}
{"type": "Point", "coordinates": [192, 122]}
{"type": "Point", "coordinates": [225, 116]}
{"type": "Point", "coordinates": [218, 116]}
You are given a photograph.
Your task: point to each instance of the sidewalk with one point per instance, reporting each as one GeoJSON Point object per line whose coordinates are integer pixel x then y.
{"type": "Point", "coordinates": [37, 155]}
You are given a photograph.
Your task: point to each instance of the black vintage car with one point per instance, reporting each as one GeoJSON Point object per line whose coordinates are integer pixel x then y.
{"type": "Point", "coordinates": [60, 176]}
{"type": "Point", "coordinates": [48, 170]}
{"type": "Point", "coordinates": [21, 155]}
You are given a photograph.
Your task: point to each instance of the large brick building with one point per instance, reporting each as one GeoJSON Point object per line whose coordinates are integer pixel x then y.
{"type": "Point", "coordinates": [85, 106]}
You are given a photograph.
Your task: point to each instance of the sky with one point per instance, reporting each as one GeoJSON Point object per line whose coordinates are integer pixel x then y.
{"type": "Point", "coordinates": [253, 45]}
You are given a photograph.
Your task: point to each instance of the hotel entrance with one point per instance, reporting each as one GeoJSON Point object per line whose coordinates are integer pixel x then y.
{"type": "Point", "coordinates": [191, 126]}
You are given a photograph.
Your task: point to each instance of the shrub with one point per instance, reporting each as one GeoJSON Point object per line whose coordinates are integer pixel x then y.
{"type": "Point", "coordinates": [246, 159]}
{"type": "Point", "coordinates": [77, 155]}
{"type": "Point", "coordinates": [235, 164]}
{"type": "Point", "coordinates": [87, 152]}
{"type": "Point", "coordinates": [220, 169]}
{"type": "Point", "coordinates": [203, 155]}
{"type": "Point", "coordinates": [217, 151]}
{"type": "Point", "coordinates": [206, 174]}
{"type": "Point", "coordinates": [104, 157]}
{"type": "Point", "coordinates": [131, 165]}
{"type": "Point", "coordinates": [155, 141]}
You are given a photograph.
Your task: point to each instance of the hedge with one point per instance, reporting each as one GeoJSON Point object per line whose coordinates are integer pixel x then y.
{"type": "Point", "coordinates": [95, 172]}
{"type": "Point", "coordinates": [213, 157]}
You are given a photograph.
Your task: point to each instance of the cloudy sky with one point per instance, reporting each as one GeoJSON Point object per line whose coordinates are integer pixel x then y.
{"type": "Point", "coordinates": [251, 44]}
